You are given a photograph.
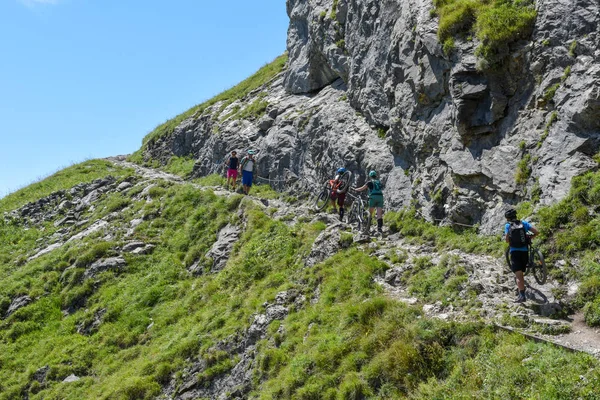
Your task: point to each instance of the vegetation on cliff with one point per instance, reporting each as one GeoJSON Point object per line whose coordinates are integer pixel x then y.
{"type": "Point", "coordinates": [496, 23]}
{"type": "Point", "coordinates": [261, 77]}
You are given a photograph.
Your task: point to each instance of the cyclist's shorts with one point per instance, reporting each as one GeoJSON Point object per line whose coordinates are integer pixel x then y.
{"type": "Point", "coordinates": [247, 178]}
{"type": "Point", "coordinates": [518, 260]}
{"type": "Point", "coordinates": [376, 200]}
{"type": "Point", "coordinates": [232, 173]}
{"type": "Point", "coordinates": [340, 197]}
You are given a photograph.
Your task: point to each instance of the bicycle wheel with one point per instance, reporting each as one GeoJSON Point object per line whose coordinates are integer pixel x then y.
{"type": "Point", "coordinates": [366, 220]}
{"type": "Point", "coordinates": [540, 272]}
{"type": "Point", "coordinates": [322, 199]}
{"type": "Point", "coordinates": [351, 214]}
{"type": "Point", "coordinates": [345, 181]}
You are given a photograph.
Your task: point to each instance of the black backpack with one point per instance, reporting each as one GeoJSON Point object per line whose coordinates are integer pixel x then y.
{"type": "Point", "coordinates": [517, 235]}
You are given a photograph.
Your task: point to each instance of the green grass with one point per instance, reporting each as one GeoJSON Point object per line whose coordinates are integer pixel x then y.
{"type": "Point", "coordinates": [255, 110]}
{"type": "Point", "coordinates": [347, 340]}
{"type": "Point", "coordinates": [261, 77]}
{"type": "Point", "coordinates": [353, 343]}
{"type": "Point", "coordinates": [182, 166]}
{"type": "Point", "coordinates": [84, 172]}
{"type": "Point", "coordinates": [496, 23]}
{"type": "Point", "coordinates": [571, 228]}
{"type": "Point", "coordinates": [126, 359]}
{"type": "Point", "coordinates": [416, 230]}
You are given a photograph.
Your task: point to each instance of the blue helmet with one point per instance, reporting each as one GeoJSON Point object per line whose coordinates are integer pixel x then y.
{"type": "Point", "coordinates": [373, 174]}
{"type": "Point", "coordinates": [341, 170]}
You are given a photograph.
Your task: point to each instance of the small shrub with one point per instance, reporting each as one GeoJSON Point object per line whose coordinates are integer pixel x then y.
{"type": "Point", "coordinates": [449, 46]}
{"type": "Point", "coordinates": [334, 7]}
{"type": "Point", "coordinates": [550, 92]}
{"type": "Point", "coordinates": [566, 73]}
{"type": "Point", "coordinates": [591, 312]}
{"type": "Point", "coordinates": [346, 239]}
{"type": "Point", "coordinates": [553, 118]}
{"type": "Point", "coordinates": [523, 170]}
{"type": "Point", "coordinates": [536, 191]}
{"type": "Point", "coordinates": [341, 44]}
{"type": "Point", "coordinates": [573, 48]}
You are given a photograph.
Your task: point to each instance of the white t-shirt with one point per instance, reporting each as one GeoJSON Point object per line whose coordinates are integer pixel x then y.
{"type": "Point", "coordinates": [249, 165]}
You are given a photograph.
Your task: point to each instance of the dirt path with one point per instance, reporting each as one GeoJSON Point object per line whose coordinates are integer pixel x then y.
{"type": "Point", "coordinates": [488, 275]}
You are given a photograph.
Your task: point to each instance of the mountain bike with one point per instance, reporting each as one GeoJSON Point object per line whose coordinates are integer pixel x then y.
{"type": "Point", "coordinates": [536, 263]}
{"type": "Point", "coordinates": [358, 214]}
{"type": "Point", "coordinates": [324, 196]}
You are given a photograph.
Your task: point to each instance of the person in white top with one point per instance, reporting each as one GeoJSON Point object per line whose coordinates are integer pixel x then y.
{"type": "Point", "coordinates": [247, 168]}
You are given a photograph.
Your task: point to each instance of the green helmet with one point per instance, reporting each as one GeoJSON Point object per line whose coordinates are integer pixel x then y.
{"type": "Point", "coordinates": [373, 174]}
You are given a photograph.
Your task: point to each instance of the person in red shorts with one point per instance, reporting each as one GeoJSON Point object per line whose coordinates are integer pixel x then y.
{"type": "Point", "coordinates": [337, 194]}
{"type": "Point", "coordinates": [232, 169]}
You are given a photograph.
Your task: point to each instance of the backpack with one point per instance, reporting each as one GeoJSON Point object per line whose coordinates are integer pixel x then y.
{"type": "Point", "coordinates": [245, 161]}
{"type": "Point", "coordinates": [376, 188]}
{"type": "Point", "coordinates": [517, 234]}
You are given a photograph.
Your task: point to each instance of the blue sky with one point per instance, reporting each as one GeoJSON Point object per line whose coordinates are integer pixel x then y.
{"type": "Point", "coordinates": [84, 79]}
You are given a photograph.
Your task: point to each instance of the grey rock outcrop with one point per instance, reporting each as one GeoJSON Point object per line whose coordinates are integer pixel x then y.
{"type": "Point", "coordinates": [17, 303]}
{"type": "Point", "coordinates": [368, 87]}
{"type": "Point", "coordinates": [107, 264]}
{"type": "Point", "coordinates": [221, 249]}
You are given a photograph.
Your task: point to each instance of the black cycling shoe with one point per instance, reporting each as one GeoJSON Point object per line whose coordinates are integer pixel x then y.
{"type": "Point", "coordinates": [521, 299]}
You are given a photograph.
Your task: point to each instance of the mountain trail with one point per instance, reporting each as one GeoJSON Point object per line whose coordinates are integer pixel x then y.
{"type": "Point", "coordinates": [487, 295]}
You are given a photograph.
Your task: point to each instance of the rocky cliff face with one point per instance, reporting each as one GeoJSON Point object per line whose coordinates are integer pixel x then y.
{"type": "Point", "coordinates": [368, 86]}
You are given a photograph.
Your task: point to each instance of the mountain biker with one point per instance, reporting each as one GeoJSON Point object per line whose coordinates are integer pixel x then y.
{"type": "Point", "coordinates": [375, 198]}
{"type": "Point", "coordinates": [338, 192]}
{"type": "Point", "coordinates": [232, 169]}
{"type": "Point", "coordinates": [515, 233]}
{"type": "Point", "coordinates": [247, 168]}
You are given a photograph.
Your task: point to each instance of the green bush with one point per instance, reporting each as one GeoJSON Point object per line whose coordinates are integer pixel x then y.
{"type": "Point", "coordinates": [449, 46]}
{"type": "Point", "coordinates": [523, 170]}
{"type": "Point", "coordinates": [591, 312]}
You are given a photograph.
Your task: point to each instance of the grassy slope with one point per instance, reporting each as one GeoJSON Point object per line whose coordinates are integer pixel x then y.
{"type": "Point", "coordinates": [351, 343]}
{"type": "Point", "coordinates": [261, 77]}
{"type": "Point", "coordinates": [79, 173]}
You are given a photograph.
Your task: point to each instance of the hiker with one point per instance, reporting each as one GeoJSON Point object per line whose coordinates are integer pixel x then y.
{"type": "Point", "coordinates": [515, 234]}
{"type": "Point", "coordinates": [247, 168]}
{"type": "Point", "coordinates": [232, 169]}
{"type": "Point", "coordinates": [338, 192]}
{"type": "Point", "coordinates": [375, 199]}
